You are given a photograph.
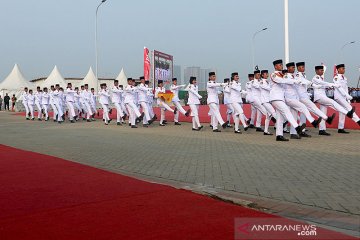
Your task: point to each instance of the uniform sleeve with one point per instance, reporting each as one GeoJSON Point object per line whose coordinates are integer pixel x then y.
{"type": "Point", "coordinates": [214, 85]}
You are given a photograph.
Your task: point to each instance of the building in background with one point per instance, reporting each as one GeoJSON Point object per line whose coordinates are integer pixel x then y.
{"type": "Point", "coordinates": [177, 74]}
{"type": "Point", "coordinates": [202, 76]}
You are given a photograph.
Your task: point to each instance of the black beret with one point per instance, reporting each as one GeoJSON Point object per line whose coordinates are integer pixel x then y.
{"type": "Point", "coordinates": [211, 74]}
{"type": "Point", "coordinates": [256, 71]}
{"type": "Point", "coordinates": [264, 71]}
{"type": "Point", "coordinates": [142, 78]}
{"type": "Point", "coordinates": [52, 86]}
{"type": "Point", "coordinates": [300, 64]}
{"type": "Point", "coordinates": [226, 80]}
{"type": "Point", "coordinates": [147, 82]}
{"type": "Point", "coordinates": [192, 79]}
{"type": "Point", "coordinates": [115, 81]}
{"type": "Point", "coordinates": [319, 67]}
{"type": "Point", "coordinates": [86, 84]}
{"type": "Point", "coordinates": [234, 74]}
{"type": "Point", "coordinates": [340, 66]}
{"type": "Point", "coordinates": [174, 79]}
{"type": "Point", "coordinates": [129, 79]}
{"type": "Point", "coordinates": [160, 81]}
{"type": "Point", "coordinates": [290, 64]}
{"type": "Point", "coordinates": [277, 62]}
{"type": "Point", "coordinates": [284, 71]}
{"type": "Point", "coordinates": [250, 75]}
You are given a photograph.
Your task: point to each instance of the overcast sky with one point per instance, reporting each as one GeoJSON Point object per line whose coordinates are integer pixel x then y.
{"type": "Point", "coordinates": [206, 33]}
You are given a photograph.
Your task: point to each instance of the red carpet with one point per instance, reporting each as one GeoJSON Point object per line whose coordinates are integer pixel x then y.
{"type": "Point", "coordinates": [204, 118]}
{"type": "Point", "coordinates": [44, 197]}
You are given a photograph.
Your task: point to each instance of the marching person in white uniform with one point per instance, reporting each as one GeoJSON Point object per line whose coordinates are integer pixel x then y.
{"type": "Point", "coordinates": [150, 100]}
{"type": "Point", "coordinates": [194, 102]}
{"type": "Point", "coordinates": [143, 98]}
{"type": "Point", "coordinates": [116, 100]}
{"type": "Point", "coordinates": [265, 88]}
{"type": "Point", "coordinates": [38, 96]}
{"type": "Point", "coordinates": [227, 102]}
{"type": "Point", "coordinates": [93, 103]}
{"type": "Point", "coordinates": [277, 99]}
{"type": "Point", "coordinates": [249, 99]}
{"type": "Point", "coordinates": [77, 104]}
{"type": "Point", "coordinates": [24, 98]}
{"type": "Point", "coordinates": [320, 97]}
{"type": "Point", "coordinates": [104, 98]}
{"type": "Point", "coordinates": [58, 103]}
{"type": "Point", "coordinates": [45, 101]}
{"type": "Point", "coordinates": [86, 96]}
{"type": "Point", "coordinates": [236, 102]}
{"type": "Point", "coordinates": [342, 97]}
{"type": "Point", "coordinates": [70, 99]}
{"type": "Point", "coordinates": [52, 103]}
{"type": "Point", "coordinates": [31, 103]}
{"type": "Point", "coordinates": [161, 102]}
{"type": "Point", "coordinates": [256, 94]}
{"type": "Point", "coordinates": [213, 102]}
{"type": "Point", "coordinates": [134, 113]}
{"type": "Point", "coordinates": [174, 88]}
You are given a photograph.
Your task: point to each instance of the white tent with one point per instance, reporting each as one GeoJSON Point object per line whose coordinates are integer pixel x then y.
{"type": "Point", "coordinates": [89, 79]}
{"type": "Point", "coordinates": [54, 78]}
{"type": "Point", "coordinates": [122, 78]}
{"type": "Point", "coordinates": [14, 83]}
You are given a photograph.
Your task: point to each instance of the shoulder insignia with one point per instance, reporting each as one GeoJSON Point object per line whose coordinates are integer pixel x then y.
{"type": "Point", "coordinates": [273, 75]}
{"type": "Point", "coordinates": [297, 75]}
{"type": "Point", "coordinates": [335, 79]}
{"type": "Point", "coordinates": [317, 77]}
{"type": "Point", "coordinates": [285, 76]}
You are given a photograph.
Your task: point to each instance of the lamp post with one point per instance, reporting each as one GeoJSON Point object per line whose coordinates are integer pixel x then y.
{"type": "Point", "coordinates": [342, 48]}
{"type": "Point", "coordinates": [96, 45]}
{"type": "Point", "coordinates": [253, 46]}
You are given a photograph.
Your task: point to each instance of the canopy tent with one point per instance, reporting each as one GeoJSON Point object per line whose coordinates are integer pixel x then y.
{"type": "Point", "coordinates": [122, 78]}
{"type": "Point", "coordinates": [14, 83]}
{"type": "Point", "coordinates": [89, 79]}
{"type": "Point", "coordinates": [54, 78]}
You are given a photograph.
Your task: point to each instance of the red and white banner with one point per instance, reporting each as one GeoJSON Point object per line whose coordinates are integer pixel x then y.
{"type": "Point", "coordinates": [335, 71]}
{"type": "Point", "coordinates": [147, 64]}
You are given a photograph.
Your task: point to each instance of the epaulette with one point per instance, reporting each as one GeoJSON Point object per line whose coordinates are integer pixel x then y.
{"type": "Point", "coordinates": [317, 77]}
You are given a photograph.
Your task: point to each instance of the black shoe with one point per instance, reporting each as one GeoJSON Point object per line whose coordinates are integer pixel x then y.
{"type": "Point", "coordinates": [161, 124]}
{"type": "Point", "coordinates": [343, 131]}
{"type": "Point", "coordinates": [200, 127]}
{"type": "Point", "coordinates": [177, 123]}
{"type": "Point", "coordinates": [285, 123]}
{"type": "Point", "coordinates": [109, 120]}
{"type": "Point", "coordinates": [330, 118]}
{"type": "Point", "coordinates": [124, 117]}
{"type": "Point", "coordinates": [229, 126]}
{"type": "Point", "coordinates": [358, 122]}
{"type": "Point", "coordinates": [32, 119]}
{"type": "Point", "coordinates": [151, 121]}
{"type": "Point", "coordinates": [84, 119]}
{"type": "Point", "coordinates": [248, 121]}
{"type": "Point", "coordinates": [103, 120]}
{"type": "Point", "coordinates": [110, 111]}
{"type": "Point", "coordinates": [295, 136]}
{"type": "Point", "coordinates": [118, 123]}
{"type": "Point", "coordinates": [268, 134]}
{"type": "Point", "coordinates": [211, 126]}
{"type": "Point", "coordinates": [351, 113]}
{"type": "Point", "coordinates": [175, 110]}
{"type": "Point", "coordinates": [246, 128]}
{"type": "Point", "coordinates": [324, 133]}
{"type": "Point", "coordinates": [251, 126]}
{"type": "Point", "coordinates": [141, 117]}
{"type": "Point", "coordinates": [146, 125]}
{"type": "Point", "coordinates": [29, 119]}
{"type": "Point", "coordinates": [225, 124]}
{"type": "Point", "coordinates": [281, 139]}
{"type": "Point", "coordinates": [315, 123]}
{"type": "Point", "coordinates": [88, 120]}
{"type": "Point", "coordinates": [285, 131]}
{"type": "Point", "coordinates": [155, 117]}
{"type": "Point", "coordinates": [259, 129]}
{"type": "Point", "coordinates": [304, 134]}
{"type": "Point", "coordinates": [39, 119]}
{"type": "Point", "coordinates": [237, 132]}
{"type": "Point", "coordinates": [195, 129]}
{"type": "Point", "coordinates": [273, 119]}
{"type": "Point", "coordinates": [187, 113]}
{"type": "Point", "coordinates": [72, 121]}
{"type": "Point", "coordinates": [129, 124]}
{"type": "Point", "coordinates": [134, 126]}
{"type": "Point", "coordinates": [299, 129]}
{"type": "Point", "coordinates": [59, 122]}
{"type": "Point", "coordinates": [216, 130]}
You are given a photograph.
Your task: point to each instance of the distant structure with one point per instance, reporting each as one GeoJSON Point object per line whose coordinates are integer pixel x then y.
{"type": "Point", "coordinates": [201, 75]}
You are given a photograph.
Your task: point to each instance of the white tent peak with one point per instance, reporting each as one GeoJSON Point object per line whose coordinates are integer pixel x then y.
{"type": "Point", "coordinates": [90, 79]}
{"type": "Point", "coordinates": [55, 77]}
{"type": "Point", "coordinates": [122, 78]}
{"type": "Point", "coordinates": [15, 80]}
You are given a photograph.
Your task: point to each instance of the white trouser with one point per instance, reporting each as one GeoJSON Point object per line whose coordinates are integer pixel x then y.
{"type": "Point", "coordinates": [46, 107]}
{"type": "Point", "coordinates": [282, 110]}
{"type": "Point", "coordinates": [151, 110]}
{"type": "Point", "coordinates": [300, 107]}
{"type": "Point", "coordinates": [105, 108]}
{"type": "Point", "coordinates": [195, 115]}
{"type": "Point", "coordinates": [229, 112]}
{"type": "Point", "coordinates": [77, 106]}
{"type": "Point", "coordinates": [269, 108]}
{"type": "Point", "coordinates": [162, 104]}
{"type": "Point", "coordinates": [295, 114]}
{"type": "Point", "coordinates": [70, 106]}
{"type": "Point", "coordinates": [260, 111]}
{"type": "Point", "coordinates": [313, 108]}
{"type": "Point", "coordinates": [345, 104]}
{"type": "Point", "coordinates": [31, 110]}
{"type": "Point", "coordinates": [55, 111]}
{"type": "Point", "coordinates": [131, 112]}
{"type": "Point", "coordinates": [134, 108]}
{"type": "Point", "coordinates": [145, 110]}
{"type": "Point", "coordinates": [26, 109]}
{"type": "Point", "coordinates": [253, 114]}
{"type": "Point", "coordinates": [119, 112]}
{"type": "Point", "coordinates": [239, 113]}
{"type": "Point", "coordinates": [215, 113]}
{"type": "Point", "coordinates": [180, 109]}
{"type": "Point", "coordinates": [89, 112]}
{"type": "Point", "coordinates": [38, 106]}
{"type": "Point", "coordinates": [60, 112]}
{"type": "Point", "coordinates": [327, 102]}
{"type": "Point", "coordinates": [123, 107]}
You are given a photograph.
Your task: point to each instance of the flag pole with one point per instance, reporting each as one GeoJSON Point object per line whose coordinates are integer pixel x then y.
{"type": "Point", "coordinates": [286, 26]}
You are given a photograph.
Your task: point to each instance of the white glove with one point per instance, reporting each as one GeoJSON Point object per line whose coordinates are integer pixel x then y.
{"type": "Point", "coordinates": [349, 98]}
{"type": "Point", "coordinates": [200, 97]}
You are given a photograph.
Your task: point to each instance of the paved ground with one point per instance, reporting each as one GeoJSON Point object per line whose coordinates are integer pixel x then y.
{"type": "Point", "coordinates": [319, 175]}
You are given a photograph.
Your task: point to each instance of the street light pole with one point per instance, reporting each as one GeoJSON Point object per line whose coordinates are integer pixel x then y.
{"type": "Point", "coordinates": [253, 46]}
{"type": "Point", "coordinates": [96, 40]}
{"type": "Point", "coordinates": [341, 50]}
{"type": "Point", "coordinates": [286, 30]}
